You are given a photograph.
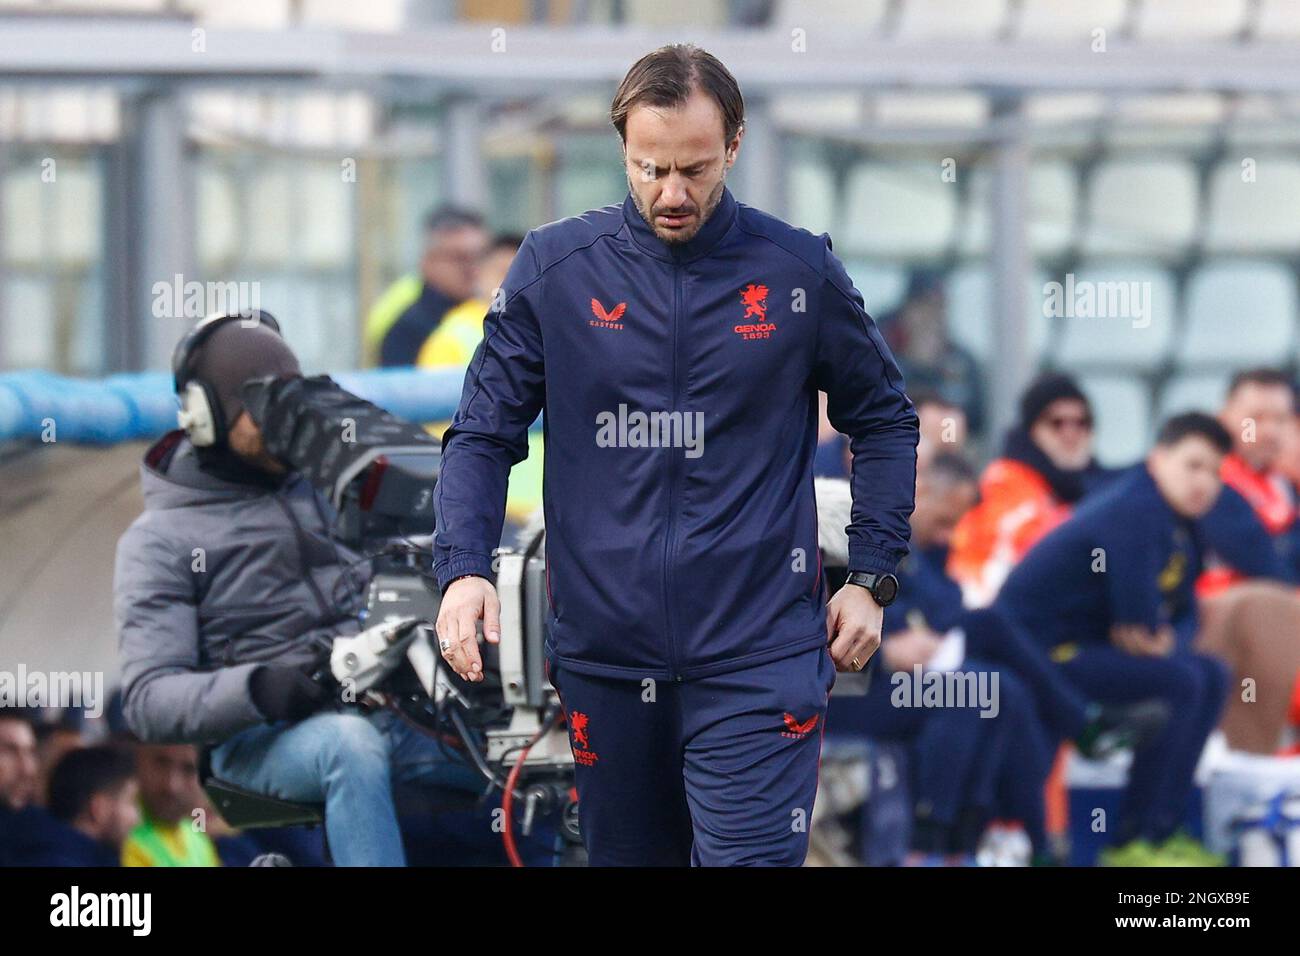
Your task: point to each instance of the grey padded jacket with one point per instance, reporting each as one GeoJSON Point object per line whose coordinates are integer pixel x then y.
{"type": "Point", "coordinates": [213, 579]}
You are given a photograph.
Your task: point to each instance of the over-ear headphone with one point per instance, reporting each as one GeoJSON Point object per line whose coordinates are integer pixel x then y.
{"type": "Point", "coordinates": [200, 413]}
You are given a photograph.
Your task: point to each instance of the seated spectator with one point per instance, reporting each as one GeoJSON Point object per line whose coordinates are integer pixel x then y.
{"type": "Point", "coordinates": [943, 426]}
{"type": "Point", "coordinates": [222, 655]}
{"type": "Point", "coordinates": [1260, 414]}
{"type": "Point", "coordinates": [930, 603]}
{"type": "Point", "coordinates": [917, 334]}
{"type": "Point", "coordinates": [968, 764]}
{"type": "Point", "coordinates": [1109, 593]}
{"type": "Point", "coordinates": [54, 740]}
{"type": "Point", "coordinates": [1249, 606]}
{"type": "Point", "coordinates": [966, 768]}
{"type": "Point", "coordinates": [943, 429]}
{"type": "Point", "coordinates": [454, 245]}
{"type": "Point", "coordinates": [93, 799]}
{"type": "Point", "coordinates": [1045, 469]}
{"type": "Point", "coordinates": [19, 779]}
{"type": "Point", "coordinates": [169, 832]}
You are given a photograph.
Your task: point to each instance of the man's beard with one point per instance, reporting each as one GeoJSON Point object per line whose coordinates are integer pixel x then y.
{"type": "Point", "coordinates": [711, 204]}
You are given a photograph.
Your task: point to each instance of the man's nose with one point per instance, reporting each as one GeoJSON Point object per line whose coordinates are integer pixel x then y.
{"type": "Point", "coordinates": [673, 195]}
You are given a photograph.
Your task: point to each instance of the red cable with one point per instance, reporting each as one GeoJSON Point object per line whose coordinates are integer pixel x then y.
{"type": "Point", "coordinates": [508, 795]}
{"type": "Point", "coordinates": [507, 801]}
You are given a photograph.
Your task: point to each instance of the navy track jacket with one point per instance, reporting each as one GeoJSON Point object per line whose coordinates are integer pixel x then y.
{"type": "Point", "coordinates": [679, 384]}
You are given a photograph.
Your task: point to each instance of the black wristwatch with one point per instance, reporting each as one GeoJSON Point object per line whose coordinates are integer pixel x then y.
{"type": "Point", "coordinates": [883, 587]}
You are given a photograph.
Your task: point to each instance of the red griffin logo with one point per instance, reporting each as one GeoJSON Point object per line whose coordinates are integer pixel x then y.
{"type": "Point", "coordinates": [794, 728]}
{"type": "Point", "coordinates": [607, 320]}
{"type": "Point", "coordinates": [582, 752]}
{"type": "Point", "coordinates": [755, 299]}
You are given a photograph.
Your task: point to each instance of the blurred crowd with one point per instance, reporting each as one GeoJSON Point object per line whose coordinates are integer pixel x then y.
{"type": "Point", "coordinates": [1140, 608]}
{"type": "Point", "coordinates": [73, 793]}
{"type": "Point", "coordinates": [1111, 609]}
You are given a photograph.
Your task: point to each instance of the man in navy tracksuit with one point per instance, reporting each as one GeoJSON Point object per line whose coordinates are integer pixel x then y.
{"type": "Point", "coordinates": [677, 344]}
{"type": "Point", "coordinates": [1110, 594]}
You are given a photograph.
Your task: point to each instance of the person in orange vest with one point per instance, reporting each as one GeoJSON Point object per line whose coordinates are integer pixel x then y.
{"type": "Point", "coordinates": [1260, 415]}
{"type": "Point", "coordinates": [1250, 608]}
{"type": "Point", "coordinates": [1046, 467]}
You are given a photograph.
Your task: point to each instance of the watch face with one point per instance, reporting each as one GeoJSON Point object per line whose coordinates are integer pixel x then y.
{"type": "Point", "coordinates": [886, 589]}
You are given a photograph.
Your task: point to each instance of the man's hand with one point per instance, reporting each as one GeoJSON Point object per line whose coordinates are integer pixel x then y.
{"type": "Point", "coordinates": [1141, 641]}
{"type": "Point", "coordinates": [853, 622]}
{"type": "Point", "coordinates": [280, 693]}
{"type": "Point", "coordinates": [912, 648]}
{"type": "Point", "coordinates": [466, 601]}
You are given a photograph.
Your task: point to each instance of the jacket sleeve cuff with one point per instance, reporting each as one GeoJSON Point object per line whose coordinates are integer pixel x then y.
{"type": "Point", "coordinates": [462, 563]}
{"type": "Point", "coordinates": [871, 560]}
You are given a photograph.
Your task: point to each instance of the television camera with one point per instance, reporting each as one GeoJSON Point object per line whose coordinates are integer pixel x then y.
{"type": "Point", "coordinates": [379, 473]}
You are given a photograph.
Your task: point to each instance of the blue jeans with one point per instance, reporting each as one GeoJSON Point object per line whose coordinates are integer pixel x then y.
{"type": "Point", "coordinates": [348, 761]}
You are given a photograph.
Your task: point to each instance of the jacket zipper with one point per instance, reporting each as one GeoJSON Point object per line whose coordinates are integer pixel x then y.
{"type": "Point", "coordinates": [670, 536]}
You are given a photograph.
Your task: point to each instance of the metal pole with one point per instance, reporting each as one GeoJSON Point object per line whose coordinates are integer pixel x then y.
{"type": "Point", "coordinates": [160, 219]}
{"type": "Point", "coordinates": [1011, 268]}
{"type": "Point", "coordinates": [466, 179]}
{"type": "Point", "coordinates": [759, 170]}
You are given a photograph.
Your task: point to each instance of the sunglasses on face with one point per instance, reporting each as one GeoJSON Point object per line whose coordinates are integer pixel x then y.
{"type": "Point", "coordinates": [1061, 422]}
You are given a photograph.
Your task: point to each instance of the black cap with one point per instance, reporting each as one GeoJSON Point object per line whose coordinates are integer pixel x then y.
{"type": "Point", "coordinates": [1048, 388]}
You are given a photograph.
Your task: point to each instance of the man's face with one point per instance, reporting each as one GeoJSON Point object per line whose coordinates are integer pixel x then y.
{"type": "Point", "coordinates": [940, 504]}
{"type": "Point", "coordinates": [451, 260]}
{"type": "Point", "coordinates": [245, 440]}
{"type": "Point", "coordinates": [1187, 474]}
{"type": "Point", "coordinates": [169, 780]}
{"type": "Point", "coordinates": [19, 768]}
{"type": "Point", "coordinates": [1289, 460]}
{"type": "Point", "coordinates": [1257, 417]}
{"type": "Point", "coordinates": [943, 429]}
{"type": "Point", "coordinates": [113, 814]}
{"type": "Point", "coordinates": [676, 161]}
{"type": "Point", "coordinates": [1063, 432]}
{"type": "Point", "coordinates": [492, 272]}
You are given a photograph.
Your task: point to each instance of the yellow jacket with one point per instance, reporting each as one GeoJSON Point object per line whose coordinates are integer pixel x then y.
{"type": "Point", "coordinates": [452, 344]}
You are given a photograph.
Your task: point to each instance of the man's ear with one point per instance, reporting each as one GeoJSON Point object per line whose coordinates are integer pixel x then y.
{"type": "Point", "coordinates": [733, 148]}
{"type": "Point", "coordinates": [96, 809]}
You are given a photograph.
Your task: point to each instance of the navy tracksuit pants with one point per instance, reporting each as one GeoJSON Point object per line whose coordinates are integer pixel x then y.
{"type": "Point", "coordinates": [1195, 688]}
{"type": "Point", "coordinates": [966, 765]}
{"type": "Point", "coordinates": [716, 771]}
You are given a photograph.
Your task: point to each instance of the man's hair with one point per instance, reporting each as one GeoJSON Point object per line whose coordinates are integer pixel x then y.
{"type": "Point", "coordinates": [30, 716]}
{"type": "Point", "coordinates": [448, 216]}
{"type": "Point", "coordinates": [506, 240]}
{"type": "Point", "coordinates": [1270, 377]}
{"type": "Point", "coordinates": [1195, 424]}
{"type": "Point", "coordinates": [82, 774]}
{"type": "Point", "coordinates": [951, 468]}
{"type": "Point", "coordinates": [929, 396]}
{"type": "Point", "coordinates": [667, 76]}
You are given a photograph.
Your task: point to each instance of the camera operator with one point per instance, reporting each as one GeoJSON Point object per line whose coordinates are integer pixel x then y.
{"type": "Point", "coordinates": [229, 589]}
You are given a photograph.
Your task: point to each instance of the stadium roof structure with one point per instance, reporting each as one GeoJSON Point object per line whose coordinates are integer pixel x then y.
{"type": "Point", "coordinates": [537, 58]}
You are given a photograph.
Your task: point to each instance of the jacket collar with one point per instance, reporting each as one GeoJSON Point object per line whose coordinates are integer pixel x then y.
{"type": "Point", "coordinates": [714, 228]}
